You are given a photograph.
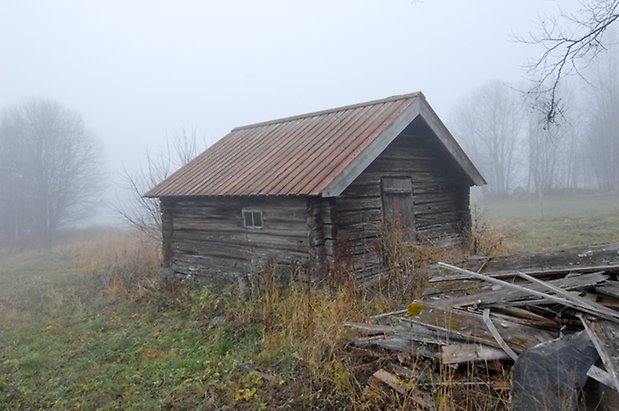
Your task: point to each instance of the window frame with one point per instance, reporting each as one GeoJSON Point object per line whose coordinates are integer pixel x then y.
{"type": "Point", "coordinates": [251, 213]}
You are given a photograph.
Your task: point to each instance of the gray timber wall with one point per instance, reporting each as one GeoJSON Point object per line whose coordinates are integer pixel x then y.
{"type": "Point", "coordinates": [323, 234]}
{"type": "Point", "coordinates": [440, 198]}
{"type": "Point", "coordinates": [206, 237]}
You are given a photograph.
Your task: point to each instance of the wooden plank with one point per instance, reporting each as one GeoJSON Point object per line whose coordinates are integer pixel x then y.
{"type": "Point", "coordinates": [389, 315]}
{"type": "Point", "coordinates": [398, 344]}
{"type": "Point", "coordinates": [600, 375]}
{"type": "Point", "coordinates": [548, 297]}
{"type": "Point", "coordinates": [363, 189]}
{"type": "Point", "coordinates": [608, 362]}
{"type": "Point", "coordinates": [526, 317]}
{"type": "Point", "coordinates": [504, 295]}
{"type": "Point", "coordinates": [497, 336]}
{"type": "Point", "coordinates": [463, 325]}
{"type": "Point", "coordinates": [573, 298]}
{"type": "Point", "coordinates": [461, 353]}
{"type": "Point", "coordinates": [559, 272]}
{"type": "Point", "coordinates": [357, 203]}
{"type": "Point", "coordinates": [603, 257]}
{"type": "Point", "coordinates": [460, 287]}
{"type": "Point", "coordinates": [370, 329]}
{"type": "Point", "coordinates": [393, 382]}
{"type": "Point", "coordinates": [437, 207]}
{"type": "Point", "coordinates": [610, 288]}
{"type": "Point", "coordinates": [390, 379]}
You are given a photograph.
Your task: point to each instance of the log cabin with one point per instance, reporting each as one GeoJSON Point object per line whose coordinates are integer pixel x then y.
{"type": "Point", "coordinates": [315, 189]}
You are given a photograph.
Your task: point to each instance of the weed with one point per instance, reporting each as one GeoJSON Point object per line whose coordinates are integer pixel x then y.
{"type": "Point", "coordinates": [486, 239]}
{"type": "Point", "coordinates": [121, 263]}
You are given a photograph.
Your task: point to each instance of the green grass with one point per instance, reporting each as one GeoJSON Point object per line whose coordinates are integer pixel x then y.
{"type": "Point", "coordinates": [65, 345]}
{"type": "Point", "coordinates": [74, 335]}
{"type": "Point", "coordinates": [568, 221]}
{"type": "Point", "coordinates": [67, 342]}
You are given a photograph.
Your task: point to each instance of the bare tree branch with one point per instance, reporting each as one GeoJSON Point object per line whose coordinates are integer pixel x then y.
{"type": "Point", "coordinates": [145, 213]}
{"type": "Point", "coordinates": [569, 42]}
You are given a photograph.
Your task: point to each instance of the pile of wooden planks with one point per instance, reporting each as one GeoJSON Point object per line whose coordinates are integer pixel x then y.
{"type": "Point", "coordinates": [486, 310]}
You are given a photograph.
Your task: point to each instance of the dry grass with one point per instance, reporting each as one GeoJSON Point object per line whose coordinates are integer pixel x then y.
{"type": "Point", "coordinates": [303, 327]}
{"type": "Point", "coordinates": [119, 263]}
{"type": "Point", "coordinates": [294, 333]}
{"type": "Point", "coordinates": [192, 346]}
{"type": "Point", "coordinates": [487, 239]}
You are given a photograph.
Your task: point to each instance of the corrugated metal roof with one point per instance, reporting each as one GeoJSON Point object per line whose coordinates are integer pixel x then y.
{"type": "Point", "coordinates": [300, 155]}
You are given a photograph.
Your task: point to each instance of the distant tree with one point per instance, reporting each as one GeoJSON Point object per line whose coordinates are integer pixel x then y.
{"type": "Point", "coordinates": [51, 169]}
{"type": "Point", "coordinates": [543, 157]}
{"type": "Point", "coordinates": [603, 119]}
{"type": "Point", "coordinates": [143, 213]}
{"type": "Point", "coordinates": [569, 42]}
{"type": "Point", "coordinates": [489, 125]}
{"type": "Point", "coordinates": [554, 152]}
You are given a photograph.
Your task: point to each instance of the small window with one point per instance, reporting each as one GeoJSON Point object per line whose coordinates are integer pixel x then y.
{"type": "Point", "coordinates": [252, 218]}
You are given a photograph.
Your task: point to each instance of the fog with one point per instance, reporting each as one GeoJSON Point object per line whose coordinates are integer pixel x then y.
{"type": "Point", "coordinates": [138, 71]}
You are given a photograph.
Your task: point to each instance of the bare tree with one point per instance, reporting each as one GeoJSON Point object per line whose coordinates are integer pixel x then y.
{"type": "Point", "coordinates": [554, 152]}
{"type": "Point", "coordinates": [145, 213]}
{"type": "Point", "coordinates": [543, 157]}
{"type": "Point", "coordinates": [13, 218]}
{"type": "Point", "coordinates": [489, 124]}
{"type": "Point", "coordinates": [603, 120]}
{"type": "Point", "coordinates": [52, 169]}
{"type": "Point", "coordinates": [569, 42]}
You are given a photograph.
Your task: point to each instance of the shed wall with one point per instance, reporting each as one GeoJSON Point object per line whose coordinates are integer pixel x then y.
{"type": "Point", "coordinates": [207, 236]}
{"type": "Point", "coordinates": [440, 199]}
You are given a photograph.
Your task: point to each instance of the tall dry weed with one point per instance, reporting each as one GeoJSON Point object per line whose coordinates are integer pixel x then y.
{"type": "Point", "coordinates": [120, 263]}
{"type": "Point", "coordinates": [486, 239]}
{"type": "Point", "coordinates": [406, 264]}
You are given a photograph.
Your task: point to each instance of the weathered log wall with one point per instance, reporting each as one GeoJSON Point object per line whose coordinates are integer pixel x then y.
{"type": "Point", "coordinates": [207, 236]}
{"type": "Point", "coordinates": [440, 198]}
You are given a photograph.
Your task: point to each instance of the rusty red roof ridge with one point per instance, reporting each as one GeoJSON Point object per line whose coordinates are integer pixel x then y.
{"type": "Point", "coordinates": [331, 110]}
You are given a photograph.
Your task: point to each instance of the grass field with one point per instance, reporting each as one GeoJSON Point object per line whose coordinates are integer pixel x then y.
{"type": "Point", "coordinates": [84, 325]}
{"type": "Point", "coordinates": [568, 221]}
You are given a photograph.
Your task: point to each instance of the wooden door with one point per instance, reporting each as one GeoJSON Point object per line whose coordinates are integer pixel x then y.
{"type": "Point", "coordinates": [397, 196]}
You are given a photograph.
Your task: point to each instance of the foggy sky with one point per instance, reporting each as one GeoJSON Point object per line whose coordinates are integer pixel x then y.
{"type": "Point", "coordinates": [138, 70]}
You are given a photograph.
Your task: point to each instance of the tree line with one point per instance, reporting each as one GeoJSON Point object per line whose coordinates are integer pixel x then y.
{"type": "Point", "coordinates": [51, 169]}
{"type": "Point", "coordinates": [519, 151]}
